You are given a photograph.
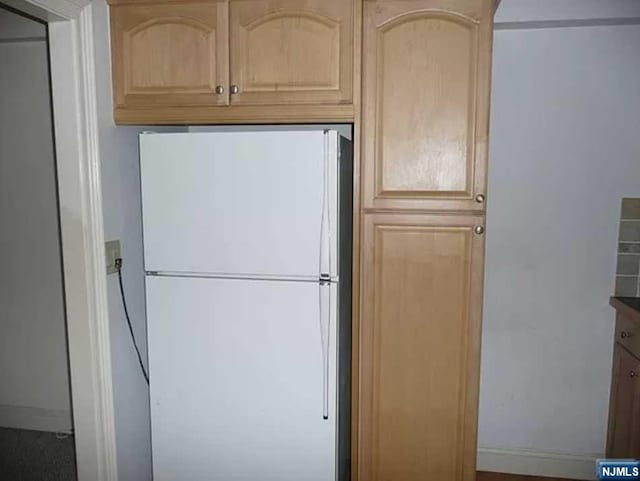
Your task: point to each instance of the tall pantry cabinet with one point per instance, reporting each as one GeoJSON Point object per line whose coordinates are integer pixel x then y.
{"type": "Point", "coordinates": [425, 109]}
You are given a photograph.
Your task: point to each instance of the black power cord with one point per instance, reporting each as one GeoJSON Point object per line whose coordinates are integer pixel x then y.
{"type": "Point", "coordinates": [126, 313]}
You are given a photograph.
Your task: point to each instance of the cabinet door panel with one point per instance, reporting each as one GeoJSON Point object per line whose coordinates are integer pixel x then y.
{"type": "Point", "coordinates": [290, 51]}
{"type": "Point", "coordinates": [420, 338]}
{"type": "Point", "coordinates": [170, 54]}
{"type": "Point", "coordinates": [624, 411]}
{"type": "Point", "coordinates": [425, 105]}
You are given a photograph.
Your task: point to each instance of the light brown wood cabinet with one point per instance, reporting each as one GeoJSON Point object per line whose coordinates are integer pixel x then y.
{"type": "Point", "coordinates": [169, 54]}
{"type": "Point", "coordinates": [426, 74]}
{"type": "Point", "coordinates": [420, 342]}
{"type": "Point", "coordinates": [288, 51]}
{"type": "Point", "coordinates": [425, 109]}
{"type": "Point", "coordinates": [623, 438]}
{"type": "Point", "coordinates": [217, 61]}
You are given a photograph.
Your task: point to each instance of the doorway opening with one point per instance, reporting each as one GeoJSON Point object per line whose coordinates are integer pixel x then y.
{"type": "Point", "coordinates": [36, 428]}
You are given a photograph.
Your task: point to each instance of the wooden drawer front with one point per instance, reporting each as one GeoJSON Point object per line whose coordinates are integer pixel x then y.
{"type": "Point", "coordinates": [420, 340]}
{"type": "Point", "coordinates": [171, 54]}
{"type": "Point", "coordinates": [628, 334]}
{"type": "Point", "coordinates": [425, 105]}
{"type": "Point", "coordinates": [288, 51]}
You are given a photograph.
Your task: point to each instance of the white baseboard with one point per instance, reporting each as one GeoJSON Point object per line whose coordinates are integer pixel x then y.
{"type": "Point", "coordinates": [36, 419]}
{"type": "Point", "coordinates": [538, 463]}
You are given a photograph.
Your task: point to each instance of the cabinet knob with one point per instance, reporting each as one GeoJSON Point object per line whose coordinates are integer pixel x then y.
{"type": "Point", "coordinates": [480, 198]}
{"type": "Point", "coordinates": [235, 89]}
{"type": "Point", "coordinates": [479, 229]}
{"type": "Point", "coordinates": [220, 89]}
{"type": "Point", "coordinates": [626, 334]}
{"type": "Point", "coordinates": [633, 374]}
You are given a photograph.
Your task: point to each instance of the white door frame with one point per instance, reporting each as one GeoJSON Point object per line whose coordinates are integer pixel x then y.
{"type": "Point", "coordinates": [78, 169]}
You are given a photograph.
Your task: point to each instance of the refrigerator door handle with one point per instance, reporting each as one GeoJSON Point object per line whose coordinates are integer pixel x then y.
{"type": "Point", "coordinates": [325, 329]}
{"type": "Point", "coordinates": [325, 221]}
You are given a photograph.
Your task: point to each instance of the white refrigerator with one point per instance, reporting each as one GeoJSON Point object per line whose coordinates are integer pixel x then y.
{"type": "Point", "coordinates": [247, 253]}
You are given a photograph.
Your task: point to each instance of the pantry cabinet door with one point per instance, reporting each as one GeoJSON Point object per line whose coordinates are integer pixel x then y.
{"type": "Point", "coordinates": [426, 73]}
{"type": "Point", "coordinates": [291, 51]}
{"type": "Point", "coordinates": [169, 54]}
{"type": "Point", "coordinates": [420, 347]}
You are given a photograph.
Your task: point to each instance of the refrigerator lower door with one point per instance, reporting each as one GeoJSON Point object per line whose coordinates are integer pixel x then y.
{"type": "Point", "coordinates": [238, 371]}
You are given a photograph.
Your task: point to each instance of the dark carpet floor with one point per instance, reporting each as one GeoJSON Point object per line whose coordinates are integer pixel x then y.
{"type": "Point", "coordinates": [36, 456]}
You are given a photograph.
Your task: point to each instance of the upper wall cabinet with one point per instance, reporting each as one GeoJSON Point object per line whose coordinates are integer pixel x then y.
{"type": "Point", "coordinates": [172, 54]}
{"type": "Point", "coordinates": [426, 103]}
{"type": "Point", "coordinates": [217, 61]}
{"type": "Point", "coordinates": [291, 51]}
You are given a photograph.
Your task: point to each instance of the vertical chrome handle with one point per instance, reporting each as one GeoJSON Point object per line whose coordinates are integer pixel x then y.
{"type": "Point", "coordinates": [325, 276]}
{"type": "Point", "coordinates": [325, 221]}
{"type": "Point", "coordinates": [325, 328]}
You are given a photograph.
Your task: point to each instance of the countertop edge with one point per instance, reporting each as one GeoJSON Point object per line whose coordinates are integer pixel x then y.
{"type": "Point", "coordinates": [624, 308]}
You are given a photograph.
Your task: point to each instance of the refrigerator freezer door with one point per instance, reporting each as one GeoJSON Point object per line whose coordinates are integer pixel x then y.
{"type": "Point", "coordinates": [240, 204]}
{"type": "Point", "coordinates": [237, 380]}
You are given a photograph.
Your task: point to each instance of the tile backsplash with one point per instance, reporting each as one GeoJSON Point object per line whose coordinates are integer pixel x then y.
{"type": "Point", "coordinates": [628, 269]}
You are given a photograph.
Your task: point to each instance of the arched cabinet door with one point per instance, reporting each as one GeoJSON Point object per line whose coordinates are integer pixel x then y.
{"type": "Point", "coordinates": [170, 54]}
{"type": "Point", "coordinates": [426, 103]}
{"type": "Point", "coordinates": [291, 51]}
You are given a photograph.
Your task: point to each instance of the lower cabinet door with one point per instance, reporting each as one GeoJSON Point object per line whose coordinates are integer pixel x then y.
{"type": "Point", "coordinates": [623, 440]}
{"type": "Point", "coordinates": [420, 330]}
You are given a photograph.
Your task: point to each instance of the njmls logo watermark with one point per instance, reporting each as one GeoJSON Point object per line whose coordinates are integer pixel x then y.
{"type": "Point", "coordinates": [617, 469]}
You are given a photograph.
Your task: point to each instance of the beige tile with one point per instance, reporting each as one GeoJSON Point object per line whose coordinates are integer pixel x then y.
{"type": "Point", "coordinates": [629, 231]}
{"type": "Point", "coordinates": [626, 286]}
{"type": "Point", "coordinates": [631, 208]}
{"type": "Point", "coordinates": [628, 264]}
{"type": "Point", "coordinates": [626, 248]}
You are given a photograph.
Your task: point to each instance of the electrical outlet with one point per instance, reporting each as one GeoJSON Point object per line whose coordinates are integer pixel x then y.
{"type": "Point", "coordinates": [112, 252]}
